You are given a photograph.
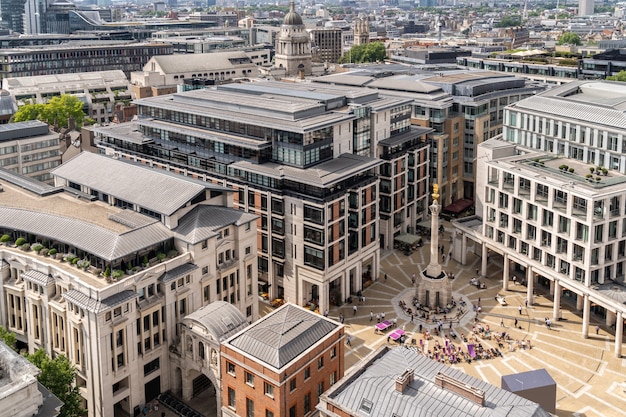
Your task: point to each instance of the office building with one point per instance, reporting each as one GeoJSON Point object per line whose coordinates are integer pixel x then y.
{"type": "Point", "coordinates": [463, 108]}
{"type": "Point", "coordinates": [63, 59]}
{"type": "Point", "coordinates": [30, 149]}
{"type": "Point", "coordinates": [281, 364]}
{"type": "Point", "coordinates": [585, 7]}
{"type": "Point", "coordinates": [307, 159]}
{"type": "Point", "coordinates": [327, 44]}
{"type": "Point", "coordinates": [110, 260]}
{"type": "Point", "coordinates": [552, 199]}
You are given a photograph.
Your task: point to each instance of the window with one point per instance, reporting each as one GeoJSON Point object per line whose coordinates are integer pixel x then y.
{"type": "Point", "coordinates": [333, 378]}
{"type": "Point", "coordinates": [307, 373]}
{"type": "Point", "coordinates": [320, 389]}
{"type": "Point", "coordinates": [231, 398]}
{"type": "Point", "coordinates": [269, 413]}
{"type": "Point", "coordinates": [292, 384]}
{"type": "Point", "coordinates": [366, 406]}
{"type": "Point", "coordinates": [320, 363]}
{"type": "Point", "coordinates": [333, 352]}
{"type": "Point", "coordinates": [249, 408]}
{"type": "Point", "coordinates": [307, 403]}
{"type": "Point", "coordinates": [231, 368]}
{"type": "Point", "coordinates": [269, 389]}
{"type": "Point", "coordinates": [292, 411]}
{"type": "Point", "coordinates": [249, 379]}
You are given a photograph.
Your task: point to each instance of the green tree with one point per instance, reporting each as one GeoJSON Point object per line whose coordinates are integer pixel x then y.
{"type": "Point", "coordinates": [8, 338]}
{"type": "Point", "coordinates": [370, 52]}
{"type": "Point", "coordinates": [620, 76]}
{"type": "Point", "coordinates": [59, 375]}
{"type": "Point", "coordinates": [509, 21]}
{"type": "Point", "coordinates": [569, 38]}
{"type": "Point", "coordinates": [57, 111]}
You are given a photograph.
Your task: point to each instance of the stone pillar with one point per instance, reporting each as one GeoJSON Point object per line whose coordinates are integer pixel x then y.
{"type": "Point", "coordinates": [483, 265]}
{"type": "Point", "coordinates": [463, 249]}
{"type": "Point", "coordinates": [324, 301]}
{"type": "Point", "coordinates": [579, 302]}
{"type": "Point", "coordinates": [610, 318]}
{"type": "Point", "coordinates": [434, 269]}
{"type": "Point", "coordinates": [530, 279]}
{"type": "Point", "coordinates": [552, 288]}
{"type": "Point", "coordinates": [556, 287]}
{"type": "Point", "coordinates": [505, 272]}
{"type": "Point", "coordinates": [586, 313]}
{"type": "Point", "coordinates": [619, 326]}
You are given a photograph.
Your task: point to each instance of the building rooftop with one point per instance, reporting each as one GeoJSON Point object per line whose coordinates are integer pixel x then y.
{"type": "Point", "coordinates": [150, 188]}
{"type": "Point", "coordinates": [218, 319]}
{"type": "Point", "coordinates": [68, 81]}
{"type": "Point", "coordinates": [283, 335]}
{"type": "Point", "coordinates": [601, 103]}
{"type": "Point", "coordinates": [372, 385]}
{"type": "Point", "coordinates": [173, 64]}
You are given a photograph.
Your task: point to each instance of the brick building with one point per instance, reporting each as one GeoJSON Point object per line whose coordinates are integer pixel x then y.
{"type": "Point", "coordinates": [281, 365]}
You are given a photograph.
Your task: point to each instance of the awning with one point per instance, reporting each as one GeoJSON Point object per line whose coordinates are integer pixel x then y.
{"type": "Point", "coordinates": [425, 224]}
{"type": "Point", "coordinates": [459, 206]}
{"type": "Point", "coordinates": [407, 238]}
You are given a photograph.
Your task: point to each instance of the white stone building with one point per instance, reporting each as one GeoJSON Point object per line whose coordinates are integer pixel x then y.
{"type": "Point", "coordinates": [552, 199]}
{"type": "Point", "coordinates": [150, 248]}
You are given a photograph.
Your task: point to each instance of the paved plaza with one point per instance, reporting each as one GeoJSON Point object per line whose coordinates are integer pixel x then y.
{"type": "Point", "coordinates": [591, 380]}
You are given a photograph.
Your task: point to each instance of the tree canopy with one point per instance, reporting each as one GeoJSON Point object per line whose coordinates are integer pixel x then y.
{"type": "Point", "coordinates": [56, 112]}
{"type": "Point", "coordinates": [369, 52]}
{"type": "Point", "coordinates": [620, 76]}
{"type": "Point", "coordinates": [509, 21]}
{"type": "Point", "coordinates": [58, 375]}
{"type": "Point", "coordinates": [8, 338]}
{"type": "Point", "coordinates": [569, 38]}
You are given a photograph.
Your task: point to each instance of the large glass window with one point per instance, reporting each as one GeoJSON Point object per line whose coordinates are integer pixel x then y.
{"type": "Point", "coordinates": [314, 257]}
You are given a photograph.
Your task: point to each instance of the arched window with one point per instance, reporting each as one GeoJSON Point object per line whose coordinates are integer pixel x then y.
{"type": "Point", "coordinates": [201, 350]}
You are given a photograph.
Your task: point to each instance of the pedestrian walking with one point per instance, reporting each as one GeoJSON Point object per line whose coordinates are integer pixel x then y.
{"type": "Point", "coordinates": [413, 279]}
{"type": "Point", "coordinates": [526, 302]}
{"type": "Point", "coordinates": [382, 316]}
{"type": "Point", "coordinates": [501, 322]}
{"type": "Point", "coordinates": [341, 319]}
{"type": "Point", "coordinates": [326, 313]}
{"type": "Point", "coordinates": [411, 317]}
{"type": "Point", "coordinates": [371, 315]}
{"type": "Point", "coordinates": [515, 323]}
{"type": "Point", "coordinates": [363, 299]}
{"type": "Point", "coordinates": [385, 277]}
{"type": "Point", "coordinates": [395, 322]}
{"type": "Point", "coordinates": [354, 310]}
{"type": "Point", "coordinates": [597, 329]}
{"type": "Point", "coordinates": [420, 327]}
{"type": "Point", "coordinates": [377, 318]}
{"type": "Point", "coordinates": [443, 257]}
{"type": "Point", "coordinates": [520, 310]}
{"type": "Point", "coordinates": [349, 341]}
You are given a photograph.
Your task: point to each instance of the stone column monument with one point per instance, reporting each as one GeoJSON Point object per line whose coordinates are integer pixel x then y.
{"type": "Point", "coordinates": [434, 288]}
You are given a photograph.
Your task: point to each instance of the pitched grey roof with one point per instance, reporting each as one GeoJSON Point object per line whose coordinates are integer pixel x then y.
{"type": "Point", "coordinates": [38, 277]}
{"type": "Point", "coordinates": [97, 306]}
{"type": "Point", "coordinates": [220, 319]}
{"type": "Point", "coordinates": [422, 398]}
{"type": "Point", "coordinates": [283, 335]}
{"type": "Point", "coordinates": [150, 188]}
{"type": "Point", "coordinates": [91, 238]}
{"type": "Point", "coordinates": [203, 221]}
{"type": "Point", "coordinates": [178, 272]}
{"type": "Point", "coordinates": [173, 64]}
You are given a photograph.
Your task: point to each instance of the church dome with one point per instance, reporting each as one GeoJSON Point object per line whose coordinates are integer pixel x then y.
{"type": "Point", "coordinates": [292, 18]}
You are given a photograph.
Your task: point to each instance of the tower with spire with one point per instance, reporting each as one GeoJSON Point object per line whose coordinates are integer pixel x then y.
{"type": "Point", "coordinates": [293, 45]}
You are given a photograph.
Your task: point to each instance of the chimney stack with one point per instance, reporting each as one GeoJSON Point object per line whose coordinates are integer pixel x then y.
{"type": "Point", "coordinates": [405, 379]}
{"type": "Point", "coordinates": [458, 387]}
